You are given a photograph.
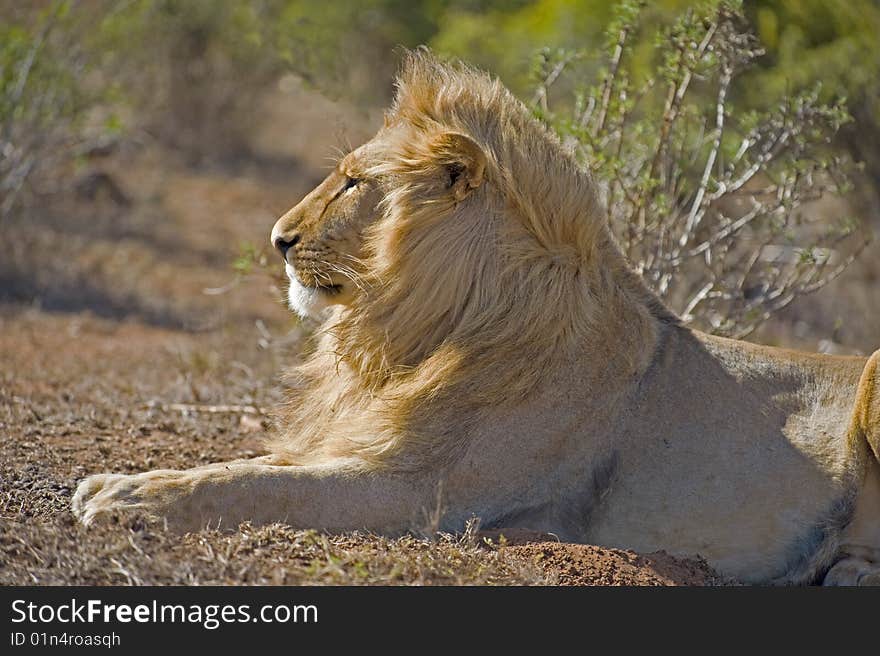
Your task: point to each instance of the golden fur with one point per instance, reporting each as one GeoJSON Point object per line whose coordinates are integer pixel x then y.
{"type": "Point", "coordinates": [483, 335]}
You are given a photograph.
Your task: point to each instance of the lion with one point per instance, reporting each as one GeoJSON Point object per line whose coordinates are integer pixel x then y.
{"type": "Point", "coordinates": [485, 341]}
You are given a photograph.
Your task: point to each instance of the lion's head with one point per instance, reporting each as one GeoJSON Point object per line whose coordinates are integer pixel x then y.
{"type": "Point", "coordinates": [333, 241]}
{"type": "Point", "coordinates": [325, 239]}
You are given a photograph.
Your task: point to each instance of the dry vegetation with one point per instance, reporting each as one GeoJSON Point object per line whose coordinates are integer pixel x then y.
{"type": "Point", "coordinates": [715, 206]}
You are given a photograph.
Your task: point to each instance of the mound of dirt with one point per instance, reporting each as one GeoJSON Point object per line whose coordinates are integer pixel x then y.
{"type": "Point", "coordinates": [582, 564]}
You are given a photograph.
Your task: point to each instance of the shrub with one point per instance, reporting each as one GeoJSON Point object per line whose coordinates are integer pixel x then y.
{"type": "Point", "coordinates": [706, 200]}
{"type": "Point", "coordinates": [42, 99]}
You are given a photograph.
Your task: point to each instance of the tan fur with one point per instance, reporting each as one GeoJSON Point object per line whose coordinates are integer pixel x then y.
{"type": "Point", "coordinates": [867, 411]}
{"type": "Point", "coordinates": [486, 337]}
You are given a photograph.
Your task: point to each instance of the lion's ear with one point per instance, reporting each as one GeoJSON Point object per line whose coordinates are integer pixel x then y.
{"type": "Point", "coordinates": [463, 160]}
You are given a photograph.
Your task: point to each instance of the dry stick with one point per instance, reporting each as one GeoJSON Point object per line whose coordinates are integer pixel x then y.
{"type": "Point", "coordinates": [778, 295]}
{"type": "Point", "coordinates": [608, 83]}
{"type": "Point", "coordinates": [810, 288]}
{"type": "Point", "coordinates": [757, 210]}
{"type": "Point", "coordinates": [750, 264]}
{"type": "Point", "coordinates": [212, 409]}
{"type": "Point", "coordinates": [670, 114]}
{"type": "Point", "coordinates": [587, 114]}
{"type": "Point", "coordinates": [790, 283]}
{"type": "Point", "coordinates": [743, 149]}
{"type": "Point", "coordinates": [697, 209]}
{"type": "Point", "coordinates": [772, 279]}
{"type": "Point", "coordinates": [768, 154]}
{"type": "Point", "coordinates": [750, 328]}
{"type": "Point", "coordinates": [740, 286]}
{"type": "Point", "coordinates": [667, 223]}
{"type": "Point", "coordinates": [632, 238]}
{"type": "Point", "coordinates": [676, 97]}
{"type": "Point", "coordinates": [621, 124]}
{"type": "Point", "coordinates": [698, 298]}
{"type": "Point", "coordinates": [772, 307]}
{"type": "Point", "coordinates": [541, 93]}
{"type": "Point", "coordinates": [216, 291]}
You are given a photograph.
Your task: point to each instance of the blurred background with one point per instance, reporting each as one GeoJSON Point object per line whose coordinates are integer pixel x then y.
{"type": "Point", "coordinates": [147, 146]}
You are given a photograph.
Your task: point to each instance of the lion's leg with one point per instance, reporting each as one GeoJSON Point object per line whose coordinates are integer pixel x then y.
{"type": "Point", "coordinates": [340, 495]}
{"type": "Point", "coordinates": [859, 562]}
{"type": "Point", "coordinates": [860, 543]}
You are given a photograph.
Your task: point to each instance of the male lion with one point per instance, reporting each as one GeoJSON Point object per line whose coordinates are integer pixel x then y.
{"type": "Point", "coordinates": [484, 335]}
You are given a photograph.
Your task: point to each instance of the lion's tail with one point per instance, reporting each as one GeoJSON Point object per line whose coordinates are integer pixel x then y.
{"type": "Point", "coordinates": [867, 408]}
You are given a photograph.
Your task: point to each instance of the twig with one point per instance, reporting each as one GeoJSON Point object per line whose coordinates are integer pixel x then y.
{"type": "Point", "coordinates": [724, 233]}
{"type": "Point", "coordinates": [211, 409]}
{"type": "Point", "coordinates": [540, 96]}
{"type": "Point", "coordinates": [216, 291]}
{"type": "Point", "coordinates": [676, 97]}
{"type": "Point", "coordinates": [697, 299]}
{"type": "Point", "coordinates": [815, 286]}
{"type": "Point", "coordinates": [609, 79]}
{"type": "Point", "coordinates": [696, 212]}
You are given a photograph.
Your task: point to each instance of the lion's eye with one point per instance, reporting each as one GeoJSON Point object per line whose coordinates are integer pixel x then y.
{"type": "Point", "coordinates": [352, 182]}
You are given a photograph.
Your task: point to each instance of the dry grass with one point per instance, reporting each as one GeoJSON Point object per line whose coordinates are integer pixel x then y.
{"type": "Point", "coordinates": [135, 552]}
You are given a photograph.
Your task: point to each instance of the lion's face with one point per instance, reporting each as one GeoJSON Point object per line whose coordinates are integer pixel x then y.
{"type": "Point", "coordinates": [321, 238]}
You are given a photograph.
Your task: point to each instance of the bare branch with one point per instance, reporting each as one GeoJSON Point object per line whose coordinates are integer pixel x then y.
{"type": "Point", "coordinates": [697, 208]}
{"type": "Point", "coordinates": [608, 82]}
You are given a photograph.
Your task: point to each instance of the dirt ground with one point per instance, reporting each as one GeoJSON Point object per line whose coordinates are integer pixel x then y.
{"type": "Point", "coordinates": [122, 322]}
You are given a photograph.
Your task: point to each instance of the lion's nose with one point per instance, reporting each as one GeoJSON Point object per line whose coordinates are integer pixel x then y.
{"type": "Point", "coordinates": [283, 245]}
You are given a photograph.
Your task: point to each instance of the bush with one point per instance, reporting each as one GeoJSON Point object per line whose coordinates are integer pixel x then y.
{"type": "Point", "coordinates": [42, 99]}
{"type": "Point", "coordinates": [705, 199]}
{"type": "Point", "coordinates": [197, 67]}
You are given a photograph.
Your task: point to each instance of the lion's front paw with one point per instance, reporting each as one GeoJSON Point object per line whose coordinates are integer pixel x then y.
{"type": "Point", "coordinates": [88, 500]}
{"type": "Point", "coordinates": [151, 492]}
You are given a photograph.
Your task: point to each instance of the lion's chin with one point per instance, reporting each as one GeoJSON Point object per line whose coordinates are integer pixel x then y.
{"type": "Point", "coordinates": [310, 302]}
